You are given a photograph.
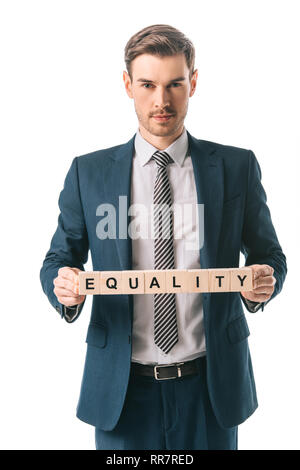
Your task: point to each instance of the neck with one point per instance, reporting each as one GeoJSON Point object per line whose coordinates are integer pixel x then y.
{"type": "Point", "coordinates": [160, 142]}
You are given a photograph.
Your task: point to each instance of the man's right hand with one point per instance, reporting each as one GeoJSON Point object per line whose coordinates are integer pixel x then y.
{"type": "Point", "coordinates": [66, 287]}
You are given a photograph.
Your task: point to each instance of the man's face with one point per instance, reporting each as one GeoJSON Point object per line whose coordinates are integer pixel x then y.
{"type": "Point", "coordinates": [160, 86]}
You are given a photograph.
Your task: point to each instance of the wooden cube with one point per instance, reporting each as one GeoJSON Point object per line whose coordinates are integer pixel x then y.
{"type": "Point", "coordinates": [133, 282]}
{"type": "Point", "coordinates": [111, 282]}
{"type": "Point", "coordinates": [197, 280]}
{"type": "Point", "coordinates": [176, 280]}
{"type": "Point", "coordinates": [241, 279]}
{"type": "Point", "coordinates": [89, 282]}
{"type": "Point", "coordinates": [219, 280]}
{"type": "Point", "coordinates": [155, 281]}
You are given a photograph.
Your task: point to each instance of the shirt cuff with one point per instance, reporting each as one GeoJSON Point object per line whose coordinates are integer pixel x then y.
{"type": "Point", "coordinates": [71, 313]}
{"type": "Point", "coordinates": [252, 306]}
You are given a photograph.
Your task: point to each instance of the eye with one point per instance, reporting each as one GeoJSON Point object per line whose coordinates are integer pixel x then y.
{"type": "Point", "coordinates": [146, 85]}
{"type": "Point", "coordinates": [176, 84]}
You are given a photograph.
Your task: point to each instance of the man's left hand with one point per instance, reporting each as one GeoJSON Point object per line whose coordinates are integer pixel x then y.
{"type": "Point", "coordinates": [263, 283]}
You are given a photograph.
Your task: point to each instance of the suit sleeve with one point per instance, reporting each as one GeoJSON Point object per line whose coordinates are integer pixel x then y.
{"type": "Point", "coordinates": [260, 244]}
{"type": "Point", "coordinates": [69, 245]}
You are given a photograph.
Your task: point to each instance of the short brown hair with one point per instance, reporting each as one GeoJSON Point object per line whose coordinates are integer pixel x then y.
{"type": "Point", "coordinates": [162, 40]}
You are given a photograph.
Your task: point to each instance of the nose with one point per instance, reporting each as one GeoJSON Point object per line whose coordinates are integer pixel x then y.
{"type": "Point", "coordinates": [162, 98]}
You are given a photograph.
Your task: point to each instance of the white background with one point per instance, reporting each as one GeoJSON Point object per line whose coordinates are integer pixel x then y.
{"type": "Point", "coordinates": [62, 95]}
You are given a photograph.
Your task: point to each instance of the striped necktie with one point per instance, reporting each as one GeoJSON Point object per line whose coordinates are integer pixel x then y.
{"type": "Point", "coordinates": [165, 325]}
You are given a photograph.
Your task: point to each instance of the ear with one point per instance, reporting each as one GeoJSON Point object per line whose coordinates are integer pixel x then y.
{"type": "Point", "coordinates": [193, 82]}
{"type": "Point", "coordinates": [128, 85]}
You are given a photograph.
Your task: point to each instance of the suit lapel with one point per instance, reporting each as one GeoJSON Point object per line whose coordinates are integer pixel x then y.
{"type": "Point", "coordinates": [209, 180]}
{"type": "Point", "coordinates": [117, 182]}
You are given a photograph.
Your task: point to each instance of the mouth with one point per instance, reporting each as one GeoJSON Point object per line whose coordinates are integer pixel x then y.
{"type": "Point", "coordinates": [163, 118]}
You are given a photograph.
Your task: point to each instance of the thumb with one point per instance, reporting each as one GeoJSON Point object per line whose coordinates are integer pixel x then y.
{"type": "Point", "coordinates": [76, 271]}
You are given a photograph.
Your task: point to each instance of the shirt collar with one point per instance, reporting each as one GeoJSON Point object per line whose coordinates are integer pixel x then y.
{"type": "Point", "coordinates": [177, 150]}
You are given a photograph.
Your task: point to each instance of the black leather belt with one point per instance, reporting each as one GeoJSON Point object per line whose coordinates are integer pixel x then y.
{"type": "Point", "coordinates": [166, 371]}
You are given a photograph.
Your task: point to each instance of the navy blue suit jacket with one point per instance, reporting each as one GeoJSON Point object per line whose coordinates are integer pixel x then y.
{"type": "Point", "coordinates": [236, 219]}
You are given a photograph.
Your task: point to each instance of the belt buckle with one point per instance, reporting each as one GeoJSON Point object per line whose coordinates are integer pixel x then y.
{"type": "Point", "coordinates": [177, 364]}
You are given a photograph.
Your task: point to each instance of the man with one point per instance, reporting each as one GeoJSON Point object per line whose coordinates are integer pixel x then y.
{"type": "Point", "coordinates": [205, 387]}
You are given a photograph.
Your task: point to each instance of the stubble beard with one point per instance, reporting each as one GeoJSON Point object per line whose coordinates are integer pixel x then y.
{"type": "Point", "coordinates": [161, 129]}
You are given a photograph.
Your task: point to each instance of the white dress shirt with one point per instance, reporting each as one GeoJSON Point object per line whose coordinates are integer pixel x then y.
{"type": "Point", "coordinates": [191, 339]}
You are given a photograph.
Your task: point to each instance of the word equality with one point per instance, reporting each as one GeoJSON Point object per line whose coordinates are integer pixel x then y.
{"type": "Point", "coordinates": [165, 281]}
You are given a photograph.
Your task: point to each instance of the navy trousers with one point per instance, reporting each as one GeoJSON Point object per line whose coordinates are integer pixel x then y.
{"type": "Point", "coordinates": [174, 414]}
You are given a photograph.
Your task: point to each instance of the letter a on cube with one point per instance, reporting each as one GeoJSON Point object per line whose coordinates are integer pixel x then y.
{"type": "Point", "coordinates": [155, 281]}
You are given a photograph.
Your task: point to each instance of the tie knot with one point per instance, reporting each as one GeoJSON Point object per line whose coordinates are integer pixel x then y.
{"type": "Point", "coordinates": [162, 158]}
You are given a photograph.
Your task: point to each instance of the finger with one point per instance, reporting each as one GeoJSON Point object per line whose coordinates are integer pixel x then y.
{"type": "Point", "coordinates": [65, 292]}
{"type": "Point", "coordinates": [65, 283]}
{"type": "Point", "coordinates": [263, 290]}
{"type": "Point", "coordinates": [264, 281]}
{"type": "Point", "coordinates": [68, 273]}
{"type": "Point", "coordinates": [70, 302]}
{"type": "Point", "coordinates": [263, 270]}
{"type": "Point", "coordinates": [76, 271]}
{"type": "Point", "coordinates": [261, 297]}
{"type": "Point", "coordinates": [258, 297]}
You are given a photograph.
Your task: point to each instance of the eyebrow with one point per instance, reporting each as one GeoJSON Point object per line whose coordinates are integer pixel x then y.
{"type": "Point", "coordinates": [145, 80]}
